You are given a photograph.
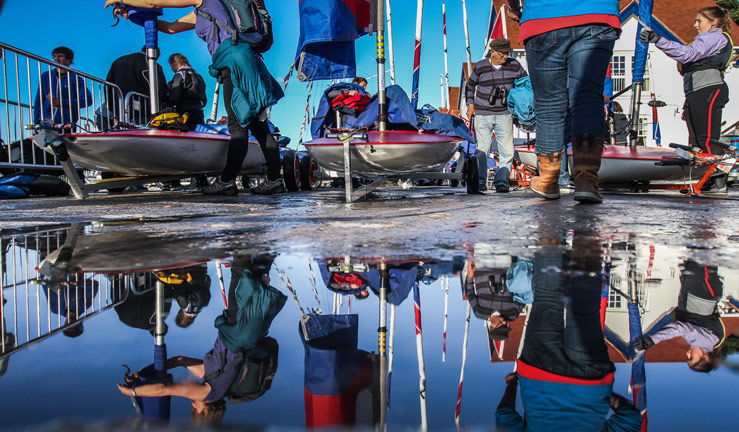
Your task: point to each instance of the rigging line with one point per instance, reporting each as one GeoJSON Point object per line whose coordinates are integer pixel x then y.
{"type": "Point", "coordinates": [289, 285]}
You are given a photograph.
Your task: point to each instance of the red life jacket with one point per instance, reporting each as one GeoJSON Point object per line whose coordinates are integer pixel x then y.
{"type": "Point", "coordinates": [357, 101]}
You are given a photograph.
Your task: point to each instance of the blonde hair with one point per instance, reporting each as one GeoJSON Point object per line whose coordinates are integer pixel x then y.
{"type": "Point", "coordinates": [212, 413]}
{"type": "Point", "coordinates": [719, 16]}
{"type": "Point", "coordinates": [178, 59]}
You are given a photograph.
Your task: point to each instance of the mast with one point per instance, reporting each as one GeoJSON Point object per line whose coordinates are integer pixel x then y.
{"type": "Point", "coordinates": [441, 84]}
{"type": "Point", "coordinates": [421, 361]}
{"type": "Point", "coordinates": [380, 42]}
{"type": "Point", "coordinates": [446, 60]}
{"type": "Point", "coordinates": [640, 64]}
{"type": "Point", "coordinates": [467, 37]}
{"type": "Point", "coordinates": [417, 54]}
{"type": "Point", "coordinates": [390, 41]}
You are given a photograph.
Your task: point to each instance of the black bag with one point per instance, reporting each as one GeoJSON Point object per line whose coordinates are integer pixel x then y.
{"type": "Point", "coordinates": [257, 368]}
{"type": "Point", "coordinates": [252, 21]}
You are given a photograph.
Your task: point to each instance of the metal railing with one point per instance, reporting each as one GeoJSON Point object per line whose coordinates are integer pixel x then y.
{"type": "Point", "coordinates": [33, 89]}
{"type": "Point", "coordinates": [32, 310]}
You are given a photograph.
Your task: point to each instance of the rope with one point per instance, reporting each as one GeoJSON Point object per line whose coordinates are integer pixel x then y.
{"type": "Point", "coordinates": [289, 286]}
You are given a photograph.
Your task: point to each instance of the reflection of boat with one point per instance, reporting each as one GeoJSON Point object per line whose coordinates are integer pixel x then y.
{"type": "Point", "coordinates": [622, 164]}
{"type": "Point", "coordinates": [155, 152]}
{"type": "Point", "coordinates": [387, 152]}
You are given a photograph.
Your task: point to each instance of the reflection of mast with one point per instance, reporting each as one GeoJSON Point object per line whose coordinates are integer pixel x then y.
{"type": "Point", "coordinates": [445, 283]}
{"type": "Point", "coordinates": [421, 361]}
{"type": "Point", "coordinates": [464, 360]}
{"type": "Point", "coordinates": [382, 342]}
{"type": "Point", "coordinates": [390, 352]}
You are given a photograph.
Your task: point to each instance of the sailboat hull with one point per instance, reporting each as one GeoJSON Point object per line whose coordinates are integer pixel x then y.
{"type": "Point", "coordinates": [625, 164]}
{"type": "Point", "coordinates": [156, 152]}
{"type": "Point", "coordinates": [387, 153]}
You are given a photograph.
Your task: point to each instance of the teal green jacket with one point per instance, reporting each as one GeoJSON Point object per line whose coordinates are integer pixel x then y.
{"type": "Point", "coordinates": [254, 87]}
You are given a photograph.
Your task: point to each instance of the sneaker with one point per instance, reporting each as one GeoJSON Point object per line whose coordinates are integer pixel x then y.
{"type": "Point", "coordinates": [218, 187]}
{"type": "Point", "coordinates": [716, 190]}
{"type": "Point", "coordinates": [501, 188]}
{"type": "Point", "coordinates": [268, 187]}
{"type": "Point", "coordinates": [566, 189]}
{"type": "Point", "coordinates": [483, 187]}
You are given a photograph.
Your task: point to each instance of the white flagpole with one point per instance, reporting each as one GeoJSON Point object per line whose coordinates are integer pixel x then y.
{"type": "Point", "coordinates": [390, 42]}
{"type": "Point", "coordinates": [441, 83]}
{"type": "Point", "coordinates": [467, 37]}
{"type": "Point", "coordinates": [446, 61]}
{"type": "Point", "coordinates": [421, 361]}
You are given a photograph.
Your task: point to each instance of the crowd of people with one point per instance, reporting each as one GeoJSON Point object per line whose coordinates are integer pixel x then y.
{"type": "Point", "coordinates": [568, 51]}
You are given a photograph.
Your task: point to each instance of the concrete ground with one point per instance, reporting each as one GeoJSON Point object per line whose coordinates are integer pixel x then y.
{"type": "Point", "coordinates": [436, 222]}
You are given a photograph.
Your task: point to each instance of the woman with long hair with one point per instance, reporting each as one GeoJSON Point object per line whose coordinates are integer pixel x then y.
{"type": "Point", "coordinates": [702, 65]}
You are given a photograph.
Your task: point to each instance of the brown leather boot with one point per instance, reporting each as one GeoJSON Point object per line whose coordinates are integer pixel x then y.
{"type": "Point", "coordinates": [545, 184]}
{"type": "Point", "coordinates": [586, 154]}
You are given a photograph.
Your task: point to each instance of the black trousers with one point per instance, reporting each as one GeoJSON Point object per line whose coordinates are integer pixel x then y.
{"type": "Point", "coordinates": [703, 109]}
{"type": "Point", "coordinates": [239, 143]}
{"type": "Point", "coordinates": [563, 335]}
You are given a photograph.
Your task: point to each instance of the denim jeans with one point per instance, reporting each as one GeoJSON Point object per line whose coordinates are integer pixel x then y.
{"type": "Point", "coordinates": [563, 335]}
{"type": "Point", "coordinates": [564, 173]}
{"type": "Point", "coordinates": [568, 69]}
{"type": "Point", "coordinates": [502, 125]}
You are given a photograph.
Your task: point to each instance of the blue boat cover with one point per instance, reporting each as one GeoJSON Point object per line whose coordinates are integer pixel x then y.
{"type": "Point", "coordinates": [401, 115]}
{"type": "Point", "coordinates": [328, 29]}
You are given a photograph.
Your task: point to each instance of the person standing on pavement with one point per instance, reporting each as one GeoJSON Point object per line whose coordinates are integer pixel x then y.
{"type": "Point", "coordinates": [487, 90]}
{"type": "Point", "coordinates": [248, 87]}
{"type": "Point", "coordinates": [702, 65]}
{"type": "Point", "coordinates": [568, 48]}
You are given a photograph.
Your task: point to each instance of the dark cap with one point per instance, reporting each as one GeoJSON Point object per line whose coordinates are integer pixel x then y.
{"type": "Point", "coordinates": [500, 333]}
{"type": "Point", "coordinates": [501, 45]}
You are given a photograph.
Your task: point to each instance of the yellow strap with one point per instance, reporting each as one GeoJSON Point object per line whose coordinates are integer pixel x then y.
{"type": "Point", "coordinates": [174, 278]}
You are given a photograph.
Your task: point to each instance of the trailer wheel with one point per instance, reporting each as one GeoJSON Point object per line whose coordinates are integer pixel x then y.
{"type": "Point", "coordinates": [308, 178]}
{"type": "Point", "coordinates": [291, 170]}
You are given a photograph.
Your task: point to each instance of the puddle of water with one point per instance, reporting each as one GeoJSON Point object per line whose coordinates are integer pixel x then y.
{"type": "Point", "coordinates": [81, 300]}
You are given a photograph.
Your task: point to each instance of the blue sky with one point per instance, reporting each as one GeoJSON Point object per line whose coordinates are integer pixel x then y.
{"type": "Point", "coordinates": [86, 29]}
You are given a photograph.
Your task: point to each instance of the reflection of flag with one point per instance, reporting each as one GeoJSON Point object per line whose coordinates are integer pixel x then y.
{"type": "Point", "coordinates": [605, 283]}
{"type": "Point", "coordinates": [336, 372]}
{"type": "Point", "coordinates": [638, 385]}
{"type": "Point", "coordinates": [656, 133]}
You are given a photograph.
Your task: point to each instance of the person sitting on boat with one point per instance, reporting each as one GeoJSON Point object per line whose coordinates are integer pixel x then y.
{"type": "Point", "coordinates": [360, 81]}
{"type": "Point", "coordinates": [697, 320]}
{"type": "Point", "coordinates": [702, 65]}
{"type": "Point", "coordinates": [620, 124]}
{"type": "Point", "coordinates": [61, 93]}
{"type": "Point", "coordinates": [131, 74]}
{"type": "Point", "coordinates": [562, 38]}
{"type": "Point", "coordinates": [187, 91]}
{"type": "Point", "coordinates": [242, 73]}
{"type": "Point", "coordinates": [252, 306]}
{"type": "Point", "coordinates": [486, 93]}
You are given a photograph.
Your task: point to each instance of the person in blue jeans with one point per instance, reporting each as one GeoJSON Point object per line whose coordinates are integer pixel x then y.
{"type": "Point", "coordinates": [568, 48]}
{"type": "Point", "coordinates": [564, 371]}
{"type": "Point", "coordinates": [486, 93]}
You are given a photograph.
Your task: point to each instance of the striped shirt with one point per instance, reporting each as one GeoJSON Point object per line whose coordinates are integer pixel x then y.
{"type": "Point", "coordinates": [484, 78]}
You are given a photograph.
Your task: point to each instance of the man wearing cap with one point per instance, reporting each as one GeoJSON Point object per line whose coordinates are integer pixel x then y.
{"type": "Point", "coordinates": [487, 90]}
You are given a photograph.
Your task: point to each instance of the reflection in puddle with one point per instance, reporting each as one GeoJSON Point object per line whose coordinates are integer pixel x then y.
{"type": "Point", "coordinates": [565, 337]}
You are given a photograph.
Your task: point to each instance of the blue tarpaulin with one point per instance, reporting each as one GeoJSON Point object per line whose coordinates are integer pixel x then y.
{"type": "Point", "coordinates": [328, 29]}
{"type": "Point", "coordinates": [640, 52]}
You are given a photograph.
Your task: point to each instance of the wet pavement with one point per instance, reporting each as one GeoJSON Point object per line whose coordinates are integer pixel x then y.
{"type": "Point", "coordinates": [80, 281]}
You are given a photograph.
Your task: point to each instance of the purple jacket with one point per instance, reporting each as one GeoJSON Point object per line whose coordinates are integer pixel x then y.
{"type": "Point", "coordinates": [703, 46]}
{"type": "Point", "coordinates": [694, 335]}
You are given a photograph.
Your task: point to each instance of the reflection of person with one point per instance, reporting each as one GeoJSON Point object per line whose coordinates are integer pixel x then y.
{"type": "Point", "coordinates": [63, 92]}
{"type": "Point", "coordinates": [697, 319]}
{"type": "Point", "coordinates": [187, 91]}
{"type": "Point", "coordinates": [564, 371]}
{"type": "Point", "coordinates": [190, 288]}
{"type": "Point", "coordinates": [248, 89]}
{"type": "Point", "coordinates": [252, 305]}
{"type": "Point", "coordinates": [702, 64]}
{"type": "Point", "coordinates": [7, 343]}
{"type": "Point", "coordinates": [490, 81]}
{"type": "Point", "coordinates": [568, 48]}
{"type": "Point", "coordinates": [71, 300]}
{"type": "Point", "coordinates": [486, 289]}
{"type": "Point", "coordinates": [131, 74]}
